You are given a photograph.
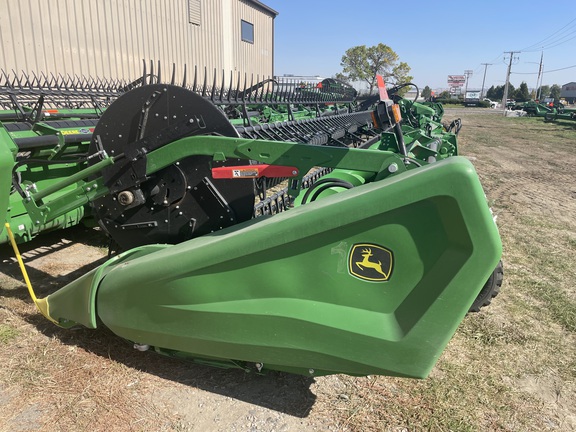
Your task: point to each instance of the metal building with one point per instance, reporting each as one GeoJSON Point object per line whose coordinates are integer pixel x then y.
{"type": "Point", "coordinates": [568, 92]}
{"type": "Point", "coordinates": [111, 38]}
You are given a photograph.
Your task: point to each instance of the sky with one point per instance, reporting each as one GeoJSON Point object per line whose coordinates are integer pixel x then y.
{"type": "Point", "coordinates": [436, 38]}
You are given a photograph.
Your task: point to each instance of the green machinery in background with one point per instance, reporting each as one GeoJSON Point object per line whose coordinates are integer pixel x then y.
{"type": "Point", "coordinates": [365, 263]}
{"type": "Point", "coordinates": [550, 112]}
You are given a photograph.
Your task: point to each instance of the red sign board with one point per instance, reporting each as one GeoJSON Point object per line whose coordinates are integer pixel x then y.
{"type": "Point", "coordinates": [456, 80]}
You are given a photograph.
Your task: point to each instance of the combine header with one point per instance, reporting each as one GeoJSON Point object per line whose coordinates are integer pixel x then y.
{"type": "Point", "coordinates": [365, 263]}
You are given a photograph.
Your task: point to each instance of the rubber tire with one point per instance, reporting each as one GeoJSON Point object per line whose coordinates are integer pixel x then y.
{"type": "Point", "coordinates": [490, 289]}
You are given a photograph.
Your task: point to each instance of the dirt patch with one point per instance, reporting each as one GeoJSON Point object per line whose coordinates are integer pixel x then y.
{"type": "Point", "coordinates": [511, 367]}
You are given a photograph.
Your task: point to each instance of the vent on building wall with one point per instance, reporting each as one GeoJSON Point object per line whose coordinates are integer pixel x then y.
{"type": "Point", "coordinates": [194, 12]}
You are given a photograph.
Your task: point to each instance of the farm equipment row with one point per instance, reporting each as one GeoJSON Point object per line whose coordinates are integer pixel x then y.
{"type": "Point", "coordinates": [364, 263]}
{"type": "Point", "coordinates": [550, 111]}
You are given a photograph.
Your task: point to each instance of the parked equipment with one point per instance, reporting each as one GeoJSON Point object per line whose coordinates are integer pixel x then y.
{"type": "Point", "coordinates": [365, 264]}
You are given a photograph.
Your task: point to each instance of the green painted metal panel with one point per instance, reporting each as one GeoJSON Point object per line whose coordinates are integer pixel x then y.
{"type": "Point", "coordinates": [7, 154]}
{"type": "Point", "coordinates": [282, 290]}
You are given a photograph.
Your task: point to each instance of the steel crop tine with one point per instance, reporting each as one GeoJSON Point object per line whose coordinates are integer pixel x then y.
{"type": "Point", "coordinates": [225, 90]}
{"type": "Point", "coordinates": [49, 80]}
{"type": "Point", "coordinates": [7, 79]}
{"type": "Point", "coordinates": [213, 89]}
{"type": "Point", "coordinates": [205, 84]}
{"type": "Point", "coordinates": [109, 85]}
{"type": "Point", "coordinates": [251, 85]}
{"type": "Point", "coordinates": [244, 89]}
{"type": "Point", "coordinates": [237, 88]}
{"type": "Point", "coordinates": [258, 97]}
{"type": "Point", "coordinates": [159, 73]}
{"type": "Point", "coordinates": [268, 86]}
{"type": "Point", "coordinates": [71, 82]}
{"type": "Point", "coordinates": [173, 79]}
{"type": "Point", "coordinates": [231, 84]}
{"type": "Point", "coordinates": [35, 80]}
{"type": "Point", "coordinates": [222, 85]}
{"type": "Point", "coordinates": [266, 89]}
{"type": "Point", "coordinates": [103, 84]}
{"type": "Point", "coordinates": [151, 72]}
{"type": "Point", "coordinates": [283, 90]}
{"type": "Point", "coordinates": [263, 87]}
{"type": "Point", "coordinates": [290, 91]}
{"type": "Point", "coordinates": [87, 82]}
{"type": "Point", "coordinates": [54, 81]}
{"type": "Point", "coordinates": [27, 80]}
{"type": "Point", "coordinates": [273, 87]}
{"type": "Point", "coordinates": [213, 85]}
{"type": "Point", "coordinates": [279, 90]}
{"type": "Point", "coordinates": [45, 80]}
{"type": "Point", "coordinates": [296, 96]}
{"type": "Point", "coordinates": [92, 82]}
{"type": "Point", "coordinates": [63, 81]}
{"type": "Point", "coordinates": [143, 72]}
{"type": "Point", "coordinates": [76, 83]}
{"type": "Point", "coordinates": [184, 79]}
{"type": "Point", "coordinates": [17, 78]}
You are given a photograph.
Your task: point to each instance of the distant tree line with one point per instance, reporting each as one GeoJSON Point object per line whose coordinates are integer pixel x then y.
{"type": "Point", "coordinates": [521, 94]}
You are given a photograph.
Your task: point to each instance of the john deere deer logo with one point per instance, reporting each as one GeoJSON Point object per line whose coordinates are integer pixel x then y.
{"type": "Point", "coordinates": [370, 262]}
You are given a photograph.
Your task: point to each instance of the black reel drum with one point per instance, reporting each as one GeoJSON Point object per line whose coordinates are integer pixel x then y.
{"type": "Point", "coordinates": [181, 201]}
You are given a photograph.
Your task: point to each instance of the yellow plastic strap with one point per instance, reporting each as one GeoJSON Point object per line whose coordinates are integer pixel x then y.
{"type": "Point", "coordinates": [41, 304]}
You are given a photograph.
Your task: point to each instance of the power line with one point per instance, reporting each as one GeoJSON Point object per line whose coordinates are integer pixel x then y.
{"type": "Point", "coordinates": [556, 70]}
{"type": "Point", "coordinates": [554, 44]}
{"type": "Point", "coordinates": [546, 71]}
{"type": "Point", "coordinates": [536, 46]}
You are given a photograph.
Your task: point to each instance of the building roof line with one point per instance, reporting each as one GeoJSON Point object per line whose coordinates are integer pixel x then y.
{"type": "Point", "coordinates": [263, 7]}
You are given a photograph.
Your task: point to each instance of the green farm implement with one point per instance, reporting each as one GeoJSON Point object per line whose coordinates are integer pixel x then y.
{"type": "Point", "coordinates": [550, 112]}
{"type": "Point", "coordinates": [372, 246]}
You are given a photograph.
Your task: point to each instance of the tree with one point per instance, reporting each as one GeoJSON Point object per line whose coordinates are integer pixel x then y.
{"type": "Point", "coordinates": [341, 77]}
{"type": "Point", "coordinates": [427, 93]}
{"type": "Point", "coordinates": [522, 94]}
{"type": "Point", "coordinates": [444, 95]}
{"type": "Point", "coordinates": [495, 93]}
{"type": "Point", "coordinates": [555, 92]}
{"type": "Point", "coordinates": [490, 94]}
{"type": "Point", "coordinates": [362, 63]}
{"type": "Point", "coordinates": [544, 91]}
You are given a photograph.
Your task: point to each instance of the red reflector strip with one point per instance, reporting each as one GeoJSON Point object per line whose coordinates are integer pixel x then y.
{"type": "Point", "coordinates": [51, 111]}
{"type": "Point", "coordinates": [382, 88]}
{"type": "Point", "coordinates": [254, 171]}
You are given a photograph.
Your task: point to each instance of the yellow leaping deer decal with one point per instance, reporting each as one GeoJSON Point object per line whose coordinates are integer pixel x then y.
{"type": "Point", "coordinates": [366, 263]}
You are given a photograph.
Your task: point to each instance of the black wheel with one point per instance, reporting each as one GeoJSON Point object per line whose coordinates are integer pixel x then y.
{"type": "Point", "coordinates": [490, 289]}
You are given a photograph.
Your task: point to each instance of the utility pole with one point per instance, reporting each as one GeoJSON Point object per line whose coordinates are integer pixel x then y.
{"type": "Point", "coordinates": [505, 97]}
{"type": "Point", "coordinates": [484, 79]}
{"type": "Point", "coordinates": [468, 74]}
{"type": "Point", "coordinates": [538, 91]}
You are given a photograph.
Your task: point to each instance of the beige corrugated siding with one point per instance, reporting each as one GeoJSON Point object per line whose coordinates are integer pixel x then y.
{"type": "Point", "coordinates": [110, 38]}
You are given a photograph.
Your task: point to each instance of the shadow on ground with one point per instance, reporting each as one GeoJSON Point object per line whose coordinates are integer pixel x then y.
{"type": "Point", "coordinates": [282, 392]}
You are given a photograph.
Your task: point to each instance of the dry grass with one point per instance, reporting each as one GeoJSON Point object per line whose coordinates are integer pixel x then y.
{"type": "Point", "coordinates": [511, 367]}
